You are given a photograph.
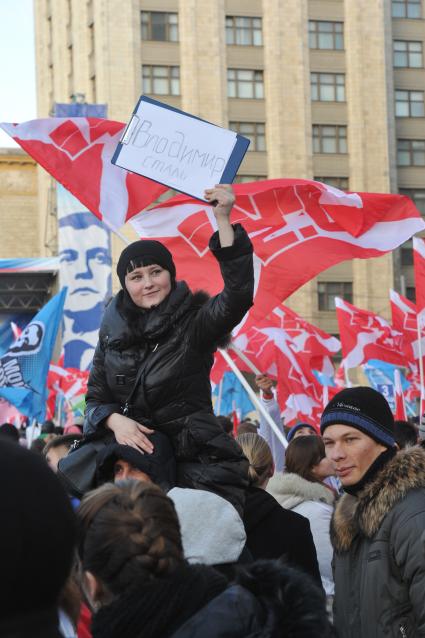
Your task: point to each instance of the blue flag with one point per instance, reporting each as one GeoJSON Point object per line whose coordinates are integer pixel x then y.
{"type": "Point", "coordinates": [233, 396]}
{"type": "Point", "coordinates": [25, 364]}
{"type": "Point", "coordinates": [380, 375]}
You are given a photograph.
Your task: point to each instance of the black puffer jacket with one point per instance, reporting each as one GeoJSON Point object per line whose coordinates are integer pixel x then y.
{"type": "Point", "coordinates": [176, 353]}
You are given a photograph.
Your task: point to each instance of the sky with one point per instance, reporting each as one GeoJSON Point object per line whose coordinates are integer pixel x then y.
{"type": "Point", "coordinates": [17, 64]}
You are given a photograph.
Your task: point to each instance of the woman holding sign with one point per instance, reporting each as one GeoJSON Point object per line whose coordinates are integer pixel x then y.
{"type": "Point", "coordinates": [155, 352]}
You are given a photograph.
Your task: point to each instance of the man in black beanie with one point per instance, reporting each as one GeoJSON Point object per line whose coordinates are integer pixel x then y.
{"type": "Point", "coordinates": [378, 528]}
{"type": "Point", "coordinates": [37, 538]}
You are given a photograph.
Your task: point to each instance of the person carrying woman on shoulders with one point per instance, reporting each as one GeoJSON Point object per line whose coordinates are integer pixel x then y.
{"type": "Point", "coordinates": [160, 334]}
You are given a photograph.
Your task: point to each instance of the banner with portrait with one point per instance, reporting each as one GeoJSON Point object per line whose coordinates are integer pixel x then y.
{"type": "Point", "coordinates": [85, 269]}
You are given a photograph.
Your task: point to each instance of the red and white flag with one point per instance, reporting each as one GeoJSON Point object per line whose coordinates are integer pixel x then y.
{"type": "Point", "coordinates": [419, 266]}
{"type": "Point", "coordinates": [365, 335]}
{"type": "Point", "coordinates": [77, 152]}
{"type": "Point", "coordinates": [400, 407]}
{"type": "Point", "coordinates": [404, 317]}
{"type": "Point", "coordinates": [298, 229]}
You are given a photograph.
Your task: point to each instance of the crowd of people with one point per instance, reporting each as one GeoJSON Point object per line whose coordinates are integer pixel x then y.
{"type": "Point", "coordinates": [186, 529]}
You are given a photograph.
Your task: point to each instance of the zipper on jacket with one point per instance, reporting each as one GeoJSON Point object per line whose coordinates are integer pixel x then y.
{"type": "Point", "coordinates": [403, 631]}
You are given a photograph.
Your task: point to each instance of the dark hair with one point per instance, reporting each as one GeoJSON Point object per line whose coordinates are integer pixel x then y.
{"type": "Point", "coordinates": [37, 446]}
{"type": "Point", "coordinates": [7, 430]}
{"type": "Point", "coordinates": [48, 427]}
{"type": "Point", "coordinates": [303, 454]}
{"type": "Point", "coordinates": [129, 531]}
{"type": "Point", "coordinates": [66, 440]}
{"type": "Point", "coordinates": [405, 434]}
{"type": "Point", "coordinates": [226, 424]}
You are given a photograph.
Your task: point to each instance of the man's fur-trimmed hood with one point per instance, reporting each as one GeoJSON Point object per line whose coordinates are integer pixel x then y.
{"type": "Point", "coordinates": [365, 513]}
{"type": "Point", "coordinates": [291, 489]}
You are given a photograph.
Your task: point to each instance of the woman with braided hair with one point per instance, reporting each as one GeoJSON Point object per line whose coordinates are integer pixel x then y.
{"type": "Point", "coordinates": [156, 345]}
{"type": "Point", "coordinates": [140, 586]}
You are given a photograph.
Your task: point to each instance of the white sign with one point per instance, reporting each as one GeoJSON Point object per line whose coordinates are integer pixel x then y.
{"type": "Point", "coordinates": [176, 149]}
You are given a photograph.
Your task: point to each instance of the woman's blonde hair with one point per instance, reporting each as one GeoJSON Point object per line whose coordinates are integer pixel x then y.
{"type": "Point", "coordinates": [259, 455]}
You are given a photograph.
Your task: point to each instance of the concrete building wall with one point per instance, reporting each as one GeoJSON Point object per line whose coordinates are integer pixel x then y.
{"type": "Point", "coordinates": [96, 48]}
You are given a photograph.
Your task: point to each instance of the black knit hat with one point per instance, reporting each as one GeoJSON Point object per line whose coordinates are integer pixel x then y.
{"type": "Point", "coordinates": [146, 252]}
{"type": "Point", "coordinates": [160, 466]}
{"type": "Point", "coordinates": [364, 409]}
{"type": "Point", "coordinates": [37, 533]}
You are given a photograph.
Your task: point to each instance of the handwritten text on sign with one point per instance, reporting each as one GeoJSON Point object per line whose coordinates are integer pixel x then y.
{"type": "Point", "coordinates": [175, 149]}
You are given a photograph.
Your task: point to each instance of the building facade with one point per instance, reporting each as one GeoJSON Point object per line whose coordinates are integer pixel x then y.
{"type": "Point", "coordinates": [326, 89]}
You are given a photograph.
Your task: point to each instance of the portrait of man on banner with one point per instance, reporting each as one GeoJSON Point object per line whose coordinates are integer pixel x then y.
{"type": "Point", "coordinates": [85, 268]}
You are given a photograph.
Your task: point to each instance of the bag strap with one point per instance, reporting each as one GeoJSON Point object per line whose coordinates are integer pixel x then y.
{"type": "Point", "coordinates": [140, 371]}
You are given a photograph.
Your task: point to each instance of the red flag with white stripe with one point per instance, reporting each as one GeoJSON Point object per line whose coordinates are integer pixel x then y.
{"type": "Point", "coordinates": [400, 407]}
{"type": "Point", "coordinates": [298, 229]}
{"type": "Point", "coordinates": [365, 335]}
{"type": "Point", "coordinates": [77, 152]}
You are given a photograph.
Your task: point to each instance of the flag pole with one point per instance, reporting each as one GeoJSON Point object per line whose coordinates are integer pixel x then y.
{"type": "Point", "coordinates": [253, 396]}
{"type": "Point", "coordinates": [347, 378]}
{"type": "Point", "coordinates": [242, 356]}
{"type": "Point", "coordinates": [421, 364]}
{"type": "Point", "coordinates": [220, 394]}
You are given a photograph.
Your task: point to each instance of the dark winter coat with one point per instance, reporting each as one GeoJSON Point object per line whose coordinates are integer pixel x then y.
{"type": "Point", "coordinates": [274, 532]}
{"type": "Point", "coordinates": [176, 350]}
{"type": "Point", "coordinates": [379, 560]}
{"type": "Point", "coordinates": [268, 600]}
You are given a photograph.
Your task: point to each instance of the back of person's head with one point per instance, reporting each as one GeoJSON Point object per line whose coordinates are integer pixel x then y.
{"type": "Point", "coordinates": [48, 427]}
{"type": "Point", "coordinates": [9, 432]}
{"type": "Point", "coordinates": [246, 427]}
{"type": "Point", "coordinates": [226, 423]}
{"type": "Point", "coordinates": [37, 535]}
{"type": "Point", "coordinates": [405, 433]}
{"type": "Point", "coordinates": [302, 454]}
{"type": "Point", "coordinates": [259, 455]}
{"type": "Point", "coordinates": [129, 533]}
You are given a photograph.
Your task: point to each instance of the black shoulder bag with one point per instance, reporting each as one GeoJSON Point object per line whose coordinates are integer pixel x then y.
{"type": "Point", "coordinates": [77, 470]}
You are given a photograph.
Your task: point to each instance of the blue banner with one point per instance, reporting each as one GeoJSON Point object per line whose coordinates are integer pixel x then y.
{"type": "Point", "coordinates": [232, 396]}
{"type": "Point", "coordinates": [25, 364]}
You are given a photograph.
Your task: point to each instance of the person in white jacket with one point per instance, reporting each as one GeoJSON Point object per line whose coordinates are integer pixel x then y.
{"type": "Point", "coordinates": [301, 489]}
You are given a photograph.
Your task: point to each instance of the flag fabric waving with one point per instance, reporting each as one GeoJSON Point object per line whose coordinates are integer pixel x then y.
{"type": "Point", "coordinates": [400, 406]}
{"type": "Point", "coordinates": [298, 229]}
{"type": "Point", "coordinates": [25, 364]}
{"type": "Point", "coordinates": [77, 152]}
{"type": "Point", "coordinates": [419, 267]}
{"type": "Point", "coordinates": [365, 335]}
{"type": "Point", "coordinates": [231, 397]}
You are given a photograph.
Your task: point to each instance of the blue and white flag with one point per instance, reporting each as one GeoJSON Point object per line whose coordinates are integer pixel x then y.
{"type": "Point", "coordinates": [232, 397]}
{"type": "Point", "coordinates": [25, 364]}
{"type": "Point", "coordinates": [380, 375]}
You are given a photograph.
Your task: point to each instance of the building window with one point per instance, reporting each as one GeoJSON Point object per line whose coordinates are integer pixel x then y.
{"type": "Point", "coordinates": [325, 35]}
{"type": "Point", "coordinates": [407, 54]}
{"type": "Point", "coordinates": [242, 179]}
{"type": "Point", "coordinates": [245, 83]}
{"type": "Point", "coordinates": [337, 182]}
{"type": "Point", "coordinates": [411, 293]}
{"type": "Point", "coordinates": [409, 103]}
{"type": "Point", "coordinates": [329, 139]}
{"type": "Point", "coordinates": [406, 253]}
{"type": "Point", "coordinates": [406, 9]}
{"type": "Point", "coordinates": [411, 152]}
{"type": "Point", "coordinates": [327, 87]}
{"type": "Point", "coordinates": [161, 80]}
{"type": "Point", "coordinates": [417, 195]}
{"type": "Point", "coordinates": [328, 290]}
{"type": "Point", "coordinates": [255, 131]}
{"type": "Point", "coordinates": [245, 31]}
{"type": "Point", "coordinates": [159, 25]}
